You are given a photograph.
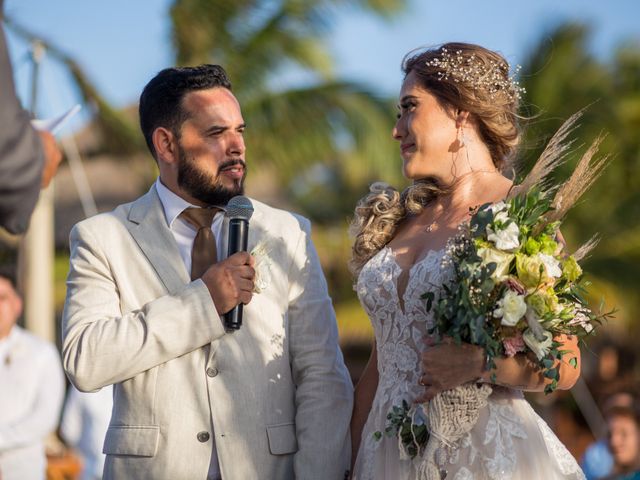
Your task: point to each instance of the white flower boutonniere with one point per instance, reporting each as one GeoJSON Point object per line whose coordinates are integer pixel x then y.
{"type": "Point", "coordinates": [262, 267]}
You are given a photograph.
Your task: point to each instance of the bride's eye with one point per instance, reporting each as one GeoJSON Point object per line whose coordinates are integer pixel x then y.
{"type": "Point", "coordinates": [407, 106]}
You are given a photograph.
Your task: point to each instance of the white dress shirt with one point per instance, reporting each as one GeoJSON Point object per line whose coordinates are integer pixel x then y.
{"type": "Point", "coordinates": [184, 234]}
{"type": "Point", "coordinates": [31, 394]}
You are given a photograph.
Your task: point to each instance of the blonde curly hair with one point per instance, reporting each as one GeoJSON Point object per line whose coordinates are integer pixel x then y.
{"type": "Point", "coordinates": [495, 111]}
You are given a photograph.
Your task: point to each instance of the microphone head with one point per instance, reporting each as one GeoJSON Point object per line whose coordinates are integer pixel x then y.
{"type": "Point", "coordinates": [239, 207]}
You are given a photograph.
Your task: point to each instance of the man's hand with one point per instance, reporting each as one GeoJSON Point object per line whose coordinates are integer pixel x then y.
{"type": "Point", "coordinates": [230, 282]}
{"type": "Point", "coordinates": [52, 157]}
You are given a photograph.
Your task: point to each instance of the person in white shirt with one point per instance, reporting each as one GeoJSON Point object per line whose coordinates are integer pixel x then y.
{"type": "Point", "coordinates": [85, 420]}
{"type": "Point", "coordinates": [31, 391]}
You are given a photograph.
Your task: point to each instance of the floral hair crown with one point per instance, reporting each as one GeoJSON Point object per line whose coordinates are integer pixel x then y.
{"type": "Point", "coordinates": [492, 77]}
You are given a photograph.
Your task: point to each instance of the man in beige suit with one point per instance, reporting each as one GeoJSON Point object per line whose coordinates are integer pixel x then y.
{"type": "Point", "coordinates": [191, 400]}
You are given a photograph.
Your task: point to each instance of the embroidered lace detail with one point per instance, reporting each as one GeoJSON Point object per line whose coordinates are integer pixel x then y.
{"type": "Point", "coordinates": [503, 426]}
{"type": "Point", "coordinates": [567, 464]}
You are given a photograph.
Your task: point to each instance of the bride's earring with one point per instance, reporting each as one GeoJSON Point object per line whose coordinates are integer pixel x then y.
{"type": "Point", "coordinates": [462, 141]}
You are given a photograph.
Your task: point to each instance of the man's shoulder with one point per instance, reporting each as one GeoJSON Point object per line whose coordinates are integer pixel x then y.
{"type": "Point", "coordinates": [106, 222]}
{"type": "Point", "coordinates": [280, 217]}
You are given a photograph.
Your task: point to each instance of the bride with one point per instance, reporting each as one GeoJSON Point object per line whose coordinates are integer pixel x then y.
{"type": "Point", "coordinates": [458, 130]}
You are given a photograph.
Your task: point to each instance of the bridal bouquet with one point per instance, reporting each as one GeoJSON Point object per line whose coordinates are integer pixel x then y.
{"type": "Point", "coordinates": [513, 289]}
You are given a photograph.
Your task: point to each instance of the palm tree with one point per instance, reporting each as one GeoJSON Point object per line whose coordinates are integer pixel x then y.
{"type": "Point", "coordinates": [337, 126]}
{"type": "Point", "coordinates": [336, 130]}
{"type": "Point", "coordinates": [120, 135]}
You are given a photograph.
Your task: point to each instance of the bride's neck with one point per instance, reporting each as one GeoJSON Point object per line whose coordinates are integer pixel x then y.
{"type": "Point", "coordinates": [474, 188]}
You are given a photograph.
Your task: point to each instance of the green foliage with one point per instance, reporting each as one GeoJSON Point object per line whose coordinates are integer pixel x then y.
{"type": "Point", "coordinates": [328, 137]}
{"type": "Point", "coordinates": [401, 422]}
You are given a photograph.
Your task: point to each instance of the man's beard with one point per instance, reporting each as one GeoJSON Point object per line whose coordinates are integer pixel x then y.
{"type": "Point", "coordinates": [203, 186]}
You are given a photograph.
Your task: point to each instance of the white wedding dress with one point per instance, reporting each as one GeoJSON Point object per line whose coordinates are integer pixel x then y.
{"type": "Point", "coordinates": [509, 441]}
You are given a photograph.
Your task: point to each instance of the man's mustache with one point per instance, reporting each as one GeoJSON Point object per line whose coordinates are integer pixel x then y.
{"type": "Point", "coordinates": [232, 163]}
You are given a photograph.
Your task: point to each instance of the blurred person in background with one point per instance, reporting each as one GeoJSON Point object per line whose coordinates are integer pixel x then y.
{"type": "Point", "coordinates": [84, 425]}
{"type": "Point", "coordinates": [623, 422]}
{"type": "Point", "coordinates": [32, 390]}
{"type": "Point", "coordinates": [597, 461]}
{"type": "Point", "coordinates": [28, 158]}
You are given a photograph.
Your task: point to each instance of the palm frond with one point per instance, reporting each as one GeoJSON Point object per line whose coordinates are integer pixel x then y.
{"type": "Point", "coordinates": [121, 136]}
{"type": "Point", "coordinates": [330, 123]}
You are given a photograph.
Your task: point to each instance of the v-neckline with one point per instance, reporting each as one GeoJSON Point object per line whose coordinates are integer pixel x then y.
{"type": "Point", "coordinates": [407, 273]}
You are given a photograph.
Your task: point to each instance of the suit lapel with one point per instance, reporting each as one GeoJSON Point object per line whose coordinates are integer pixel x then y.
{"type": "Point", "coordinates": [148, 227]}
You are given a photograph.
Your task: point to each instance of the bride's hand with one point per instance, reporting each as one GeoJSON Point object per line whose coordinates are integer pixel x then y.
{"type": "Point", "coordinates": [446, 365]}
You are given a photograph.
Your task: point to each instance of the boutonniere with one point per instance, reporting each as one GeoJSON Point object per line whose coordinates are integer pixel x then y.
{"type": "Point", "coordinates": [262, 267]}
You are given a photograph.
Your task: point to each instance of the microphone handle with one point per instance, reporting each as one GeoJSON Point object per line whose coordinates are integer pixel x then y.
{"type": "Point", "coordinates": [238, 241]}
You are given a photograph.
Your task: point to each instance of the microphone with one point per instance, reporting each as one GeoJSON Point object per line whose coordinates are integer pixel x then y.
{"type": "Point", "coordinates": [239, 210]}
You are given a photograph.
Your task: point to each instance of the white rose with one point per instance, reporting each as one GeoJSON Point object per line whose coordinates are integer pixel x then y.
{"type": "Point", "coordinates": [539, 347]}
{"type": "Point", "coordinates": [506, 238]}
{"type": "Point", "coordinates": [500, 258]}
{"type": "Point", "coordinates": [511, 308]}
{"type": "Point", "coordinates": [551, 265]}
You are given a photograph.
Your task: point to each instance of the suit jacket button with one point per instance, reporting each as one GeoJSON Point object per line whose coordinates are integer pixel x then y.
{"type": "Point", "coordinates": [203, 436]}
{"type": "Point", "coordinates": [212, 372]}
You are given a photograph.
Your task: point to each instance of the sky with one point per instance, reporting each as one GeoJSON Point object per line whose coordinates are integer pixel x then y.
{"type": "Point", "coordinates": [123, 43]}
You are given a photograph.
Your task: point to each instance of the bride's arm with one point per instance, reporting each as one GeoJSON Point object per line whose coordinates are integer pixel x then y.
{"type": "Point", "coordinates": [364, 393]}
{"type": "Point", "coordinates": [447, 365]}
{"type": "Point", "coordinates": [522, 373]}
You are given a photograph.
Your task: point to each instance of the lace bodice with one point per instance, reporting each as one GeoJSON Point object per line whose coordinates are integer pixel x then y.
{"type": "Point", "coordinates": [400, 327]}
{"type": "Point", "coordinates": [509, 441]}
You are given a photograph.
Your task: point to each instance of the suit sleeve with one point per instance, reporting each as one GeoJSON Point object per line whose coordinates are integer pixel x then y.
{"type": "Point", "coordinates": [21, 156]}
{"type": "Point", "coordinates": [102, 345]}
{"type": "Point", "coordinates": [324, 393]}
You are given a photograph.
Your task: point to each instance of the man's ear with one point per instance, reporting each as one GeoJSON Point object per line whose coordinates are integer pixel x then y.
{"type": "Point", "coordinates": [164, 143]}
{"type": "Point", "coordinates": [462, 116]}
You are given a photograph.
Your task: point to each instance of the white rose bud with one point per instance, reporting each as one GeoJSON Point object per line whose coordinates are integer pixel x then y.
{"type": "Point", "coordinates": [511, 308]}
{"type": "Point", "coordinates": [540, 347]}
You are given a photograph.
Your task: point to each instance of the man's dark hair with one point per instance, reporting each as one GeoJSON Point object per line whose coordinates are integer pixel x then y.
{"type": "Point", "coordinates": [160, 101]}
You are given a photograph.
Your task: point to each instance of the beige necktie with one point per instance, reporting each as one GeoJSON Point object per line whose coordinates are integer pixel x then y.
{"type": "Point", "coordinates": [204, 252]}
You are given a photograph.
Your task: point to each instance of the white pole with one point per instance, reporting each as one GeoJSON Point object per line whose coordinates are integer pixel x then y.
{"type": "Point", "coordinates": [37, 248]}
{"type": "Point", "coordinates": [79, 176]}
